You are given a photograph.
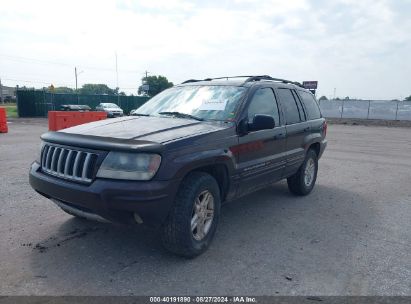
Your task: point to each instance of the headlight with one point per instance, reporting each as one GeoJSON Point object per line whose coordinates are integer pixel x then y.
{"type": "Point", "coordinates": [134, 166]}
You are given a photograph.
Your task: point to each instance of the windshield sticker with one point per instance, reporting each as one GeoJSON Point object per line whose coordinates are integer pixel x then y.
{"type": "Point", "coordinates": [213, 105]}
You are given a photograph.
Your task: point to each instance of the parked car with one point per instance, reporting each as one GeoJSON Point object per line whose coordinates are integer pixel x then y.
{"type": "Point", "coordinates": [187, 150]}
{"type": "Point", "coordinates": [111, 109]}
{"type": "Point", "coordinates": [81, 108]}
{"type": "Point", "coordinates": [8, 98]}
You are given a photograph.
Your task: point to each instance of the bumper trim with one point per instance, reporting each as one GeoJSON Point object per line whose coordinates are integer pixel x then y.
{"type": "Point", "coordinates": [80, 213]}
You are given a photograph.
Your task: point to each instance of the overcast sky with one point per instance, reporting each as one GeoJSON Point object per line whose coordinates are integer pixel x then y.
{"type": "Point", "coordinates": [360, 47]}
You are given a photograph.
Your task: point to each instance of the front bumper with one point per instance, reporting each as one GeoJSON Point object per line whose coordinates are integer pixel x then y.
{"type": "Point", "coordinates": [114, 200]}
{"type": "Point", "coordinates": [114, 114]}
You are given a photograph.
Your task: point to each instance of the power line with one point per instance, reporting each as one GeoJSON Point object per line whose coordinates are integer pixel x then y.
{"type": "Point", "coordinates": [34, 81]}
{"type": "Point", "coordinates": [46, 62]}
{"type": "Point", "coordinates": [129, 87]}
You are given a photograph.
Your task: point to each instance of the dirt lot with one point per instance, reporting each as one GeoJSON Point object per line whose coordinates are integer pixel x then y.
{"type": "Point", "coordinates": [351, 236]}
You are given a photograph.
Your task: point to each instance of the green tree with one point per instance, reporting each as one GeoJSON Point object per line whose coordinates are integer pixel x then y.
{"type": "Point", "coordinates": [93, 89]}
{"type": "Point", "coordinates": [156, 84]}
{"type": "Point", "coordinates": [408, 98]}
{"type": "Point", "coordinates": [63, 90]}
{"type": "Point", "coordinates": [323, 98]}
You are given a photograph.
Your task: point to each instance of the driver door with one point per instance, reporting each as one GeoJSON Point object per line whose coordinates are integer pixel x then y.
{"type": "Point", "coordinates": [261, 158]}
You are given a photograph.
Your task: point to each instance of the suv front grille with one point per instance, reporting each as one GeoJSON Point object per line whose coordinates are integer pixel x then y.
{"type": "Point", "coordinates": [68, 163]}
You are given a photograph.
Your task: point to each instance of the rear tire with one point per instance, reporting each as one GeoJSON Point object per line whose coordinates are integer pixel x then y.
{"type": "Point", "coordinates": [303, 181]}
{"type": "Point", "coordinates": [191, 224]}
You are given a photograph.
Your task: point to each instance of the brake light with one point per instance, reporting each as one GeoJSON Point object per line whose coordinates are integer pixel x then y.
{"type": "Point", "coordinates": [325, 126]}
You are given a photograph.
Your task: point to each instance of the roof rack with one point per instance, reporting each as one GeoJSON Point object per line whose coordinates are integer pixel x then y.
{"type": "Point", "coordinates": [249, 79]}
{"type": "Point", "coordinates": [266, 77]}
{"type": "Point", "coordinates": [190, 80]}
{"type": "Point", "coordinates": [217, 78]}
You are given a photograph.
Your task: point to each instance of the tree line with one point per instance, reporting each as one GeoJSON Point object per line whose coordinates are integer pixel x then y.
{"type": "Point", "coordinates": [152, 85]}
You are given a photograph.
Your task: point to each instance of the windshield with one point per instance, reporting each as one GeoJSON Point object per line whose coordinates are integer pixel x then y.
{"type": "Point", "coordinates": [205, 102]}
{"type": "Point", "coordinates": [109, 105]}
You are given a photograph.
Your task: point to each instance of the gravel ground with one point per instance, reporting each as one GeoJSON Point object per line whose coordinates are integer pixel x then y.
{"type": "Point", "coordinates": [350, 236]}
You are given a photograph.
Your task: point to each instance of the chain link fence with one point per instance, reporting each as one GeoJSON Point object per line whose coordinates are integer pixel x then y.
{"type": "Point", "coordinates": [366, 109]}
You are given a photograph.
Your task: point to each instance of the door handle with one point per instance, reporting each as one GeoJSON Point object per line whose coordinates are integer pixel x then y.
{"type": "Point", "coordinates": [307, 129]}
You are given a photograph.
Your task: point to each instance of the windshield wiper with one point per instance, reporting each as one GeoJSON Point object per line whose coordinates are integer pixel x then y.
{"type": "Point", "coordinates": [181, 115]}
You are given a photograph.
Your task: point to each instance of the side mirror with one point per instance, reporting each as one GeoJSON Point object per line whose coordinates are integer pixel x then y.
{"type": "Point", "coordinates": [261, 122]}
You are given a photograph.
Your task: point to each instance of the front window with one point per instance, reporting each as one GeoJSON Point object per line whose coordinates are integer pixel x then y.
{"type": "Point", "coordinates": [205, 102]}
{"type": "Point", "coordinates": [264, 102]}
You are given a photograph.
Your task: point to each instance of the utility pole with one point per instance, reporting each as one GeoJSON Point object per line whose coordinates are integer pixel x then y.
{"type": "Point", "coordinates": [1, 92]}
{"type": "Point", "coordinates": [335, 90]}
{"type": "Point", "coordinates": [116, 71]}
{"type": "Point", "coordinates": [75, 74]}
{"type": "Point", "coordinates": [144, 82]}
{"type": "Point", "coordinates": [118, 89]}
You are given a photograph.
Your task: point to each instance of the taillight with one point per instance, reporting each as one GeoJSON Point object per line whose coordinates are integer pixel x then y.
{"type": "Point", "coordinates": [325, 126]}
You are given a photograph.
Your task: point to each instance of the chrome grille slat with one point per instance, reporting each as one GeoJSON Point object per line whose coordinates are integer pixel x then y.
{"type": "Point", "coordinates": [60, 160]}
{"type": "Point", "coordinates": [44, 155]}
{"type": "Point", "coordinates": [66, 166]}
{"type": "Point", "coordinates": [85, 167]}
{"type": "Point", "coordinates": [68, 163]}
{"type": "Point", "coordinates": [53, 159]}
{"type": "Point", "coordinates": [48, 157]}
{"type": "Point", "coordinates": [76, 164]}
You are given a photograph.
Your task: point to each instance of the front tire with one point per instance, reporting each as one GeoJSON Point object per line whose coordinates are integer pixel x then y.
{"type": "Point", "coordinates": [192, 222]}
{"type": "Point", "coordinates": [303, 181]}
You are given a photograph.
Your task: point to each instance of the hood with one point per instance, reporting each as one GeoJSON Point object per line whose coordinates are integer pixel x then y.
{"type": "Point", "coordinates": [141, 128]}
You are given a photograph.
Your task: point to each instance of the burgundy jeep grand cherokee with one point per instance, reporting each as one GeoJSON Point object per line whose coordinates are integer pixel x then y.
{"type": "Point", "coordinates": [183, 153]}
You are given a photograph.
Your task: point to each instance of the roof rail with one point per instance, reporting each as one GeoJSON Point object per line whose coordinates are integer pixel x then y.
{"type": "Point", "coordinates": [190, 80]}
{"type": "Point", "coordinates": [249, 79]}
{"type": "Point", "coordinates": [226, 77]}
{"type": "Point", "coordinates": [266, 77]}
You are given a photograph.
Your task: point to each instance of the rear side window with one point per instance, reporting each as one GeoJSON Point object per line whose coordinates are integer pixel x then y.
{"type": "Point", "coordinates": [300, 106]}
{"type": "Point", "coordinates": [311, 106]}
{"type": "Point", "coordinates": [264, 102]}
{"type": "Point", "coordinates": [289, 105]}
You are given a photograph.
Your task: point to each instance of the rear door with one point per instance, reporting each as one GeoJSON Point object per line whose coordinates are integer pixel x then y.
{"type": "Point", "coordinates": [297, 127]}
{"type": "Point", "coordinates": [260, 153]}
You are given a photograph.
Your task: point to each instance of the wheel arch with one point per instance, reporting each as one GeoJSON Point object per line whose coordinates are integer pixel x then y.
{"type": "Point", "coordinates": [218, 170]}
{"type": "Point", "coordinates": [316, 147]}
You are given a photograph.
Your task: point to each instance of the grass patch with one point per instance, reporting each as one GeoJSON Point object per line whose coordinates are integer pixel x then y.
{"type": "Point", "coordinates": [11, 109]}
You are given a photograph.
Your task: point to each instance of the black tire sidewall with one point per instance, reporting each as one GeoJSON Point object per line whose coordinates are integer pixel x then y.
{"type": "Point", "coordinates": [177, 234]}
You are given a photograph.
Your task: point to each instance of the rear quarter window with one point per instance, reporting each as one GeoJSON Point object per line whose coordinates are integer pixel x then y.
{"type": "Point", "coordinates": [311, 106]}
{"type": "Point", "coordinates": [289, 105]}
